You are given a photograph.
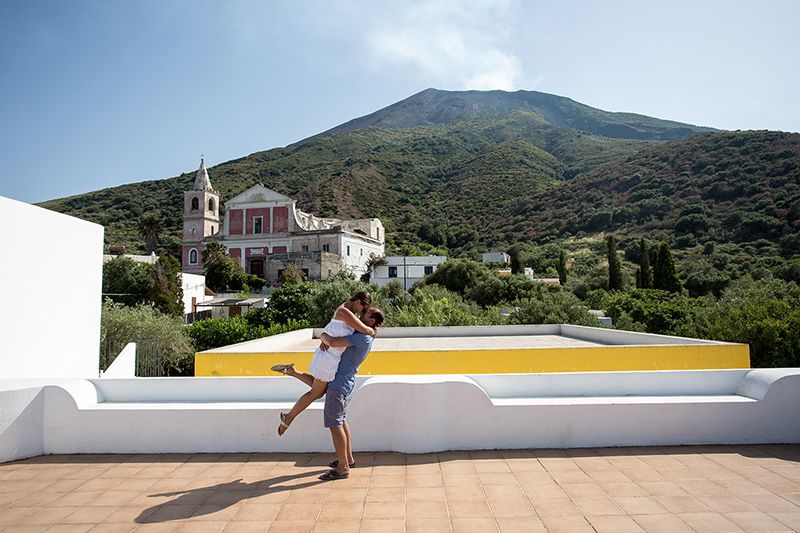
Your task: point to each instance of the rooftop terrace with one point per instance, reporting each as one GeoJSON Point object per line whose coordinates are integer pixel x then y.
{"type": "Point", "coordinates": [672, 489]}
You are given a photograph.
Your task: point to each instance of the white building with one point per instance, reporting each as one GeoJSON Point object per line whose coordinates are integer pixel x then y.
{"type": "Point", "coordinates": [264, 231]}
{"type": "Point", "coordinates": [405, 269]}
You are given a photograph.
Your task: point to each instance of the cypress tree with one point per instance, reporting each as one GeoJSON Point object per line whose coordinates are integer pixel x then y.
{"type": "Point", "coordinates": [645, 272]}
{"type": "Point", "coordinates": [517, 266]}
{"type": "Point", "coordinates": [614, 269]}
{"type": "Point", "coordinates": [664, 275]}
{"type": "Point", "coordinates": [562, 267]}
{"type": "Point", "coordinates": [639, 278]}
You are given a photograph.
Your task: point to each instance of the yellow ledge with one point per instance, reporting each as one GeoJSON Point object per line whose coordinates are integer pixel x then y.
{"type": "Point", "coordinates": [502, 361]}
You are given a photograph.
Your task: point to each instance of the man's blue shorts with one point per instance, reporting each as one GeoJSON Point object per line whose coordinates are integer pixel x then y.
{"type": "Point", "coordinates": [335, 408]}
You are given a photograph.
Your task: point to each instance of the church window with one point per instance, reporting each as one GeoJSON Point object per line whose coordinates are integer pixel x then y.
{"type": "Point", "coordinates": [193, 230]}
{"type": "Point", "coordinates": [192, 257]}
{"type": "Point", "coordinates": [392, 272]}
{"type": "Point", "coordinates": [195, 204]}
{"type": "Point", "coordinates": [258, 224]}
{"type": "Point", "coordinates": [210, 204]}
{"type": "Point", "coordinates": [428, 270]}
{"type": "Point", "coordinates": [326, 247]}
{"type": "Point", "coordinates": [304, 248]}
{"type": "Point", "coordinates": [348, 249]}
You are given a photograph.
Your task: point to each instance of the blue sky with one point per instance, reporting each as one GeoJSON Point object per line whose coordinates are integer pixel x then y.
{"type": "Point", "coordinates": [96, 93]}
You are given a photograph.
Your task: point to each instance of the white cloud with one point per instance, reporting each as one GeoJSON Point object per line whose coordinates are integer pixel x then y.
{"type": "Point", "coordinates": [451, 44]}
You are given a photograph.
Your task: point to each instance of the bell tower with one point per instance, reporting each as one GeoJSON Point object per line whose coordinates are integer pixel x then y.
{"type": "Point", "coordinates": [200, 219]}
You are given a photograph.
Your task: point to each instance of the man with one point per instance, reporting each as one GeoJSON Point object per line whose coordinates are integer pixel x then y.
{"type": "Point", "coordinates": [339, 390]}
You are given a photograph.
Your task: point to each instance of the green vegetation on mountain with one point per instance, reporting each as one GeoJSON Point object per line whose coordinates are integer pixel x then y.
{"type": "Point", "coordinates": [465, 172]}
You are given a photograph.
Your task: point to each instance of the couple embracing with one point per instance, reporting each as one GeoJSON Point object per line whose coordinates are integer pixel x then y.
{"type": "Point", "coordinates": [345, 343]}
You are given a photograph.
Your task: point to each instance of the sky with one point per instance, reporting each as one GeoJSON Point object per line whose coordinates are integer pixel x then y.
{"type": "Point", "coordinates": [97, 93]}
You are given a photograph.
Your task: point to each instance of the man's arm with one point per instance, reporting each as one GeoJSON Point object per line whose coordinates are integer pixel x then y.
{"type": "Point", "coordinates": [336, 342]}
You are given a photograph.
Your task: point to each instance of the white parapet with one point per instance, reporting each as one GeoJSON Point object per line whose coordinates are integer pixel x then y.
{"type": "Point", "coordinates": [411, 413]}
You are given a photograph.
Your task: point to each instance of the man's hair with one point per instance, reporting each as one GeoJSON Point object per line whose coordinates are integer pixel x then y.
{"type": "Point", "coordinates": [364, 297]}
{"type": "Point", "coordinates": [376, 314]}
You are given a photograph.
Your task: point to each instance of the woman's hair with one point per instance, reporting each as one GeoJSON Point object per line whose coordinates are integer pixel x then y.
{"type": "Point", "coordinates": [376, 314]}
{"type": "Point", "coordinates": [364, 297]}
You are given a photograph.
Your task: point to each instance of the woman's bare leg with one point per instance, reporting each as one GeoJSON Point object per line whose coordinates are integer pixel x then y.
{"type": "Point", "coordinates": [308, 379]}
{"type": "Point", "coordinates": [317, 391]}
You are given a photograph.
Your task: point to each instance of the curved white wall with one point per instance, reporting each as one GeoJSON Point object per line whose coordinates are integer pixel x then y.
{"type": "Point", "coordinates": [52, 281]}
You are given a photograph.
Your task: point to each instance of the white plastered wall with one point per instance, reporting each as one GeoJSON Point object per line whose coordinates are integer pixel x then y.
{"type": "Point", "coordinates": [49, 253]}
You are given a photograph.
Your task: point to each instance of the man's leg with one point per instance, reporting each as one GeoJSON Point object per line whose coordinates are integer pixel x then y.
{"type": "Point", "coordinates": [349, 445]}
{"type": "Point", "coordinates": [340, 444]}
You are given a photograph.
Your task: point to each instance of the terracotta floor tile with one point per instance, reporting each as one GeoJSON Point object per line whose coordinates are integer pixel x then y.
{"type": "Point", "coordinates": [473, 525]}
{"type": "Point", "coordinates": [70, 528]}
{"type": "Point", "coordinates": [461, 479]}
{"type": "Point", "coordinates": [471, 493]}
{"type": "Point", "coordinates": [709, 523]}
{"type": "Point", "coordinates": [682, 504]}
{"type": "Point", "coordinates": [340, 525]}
{"type": "Point", "coordinates": [770, 503]}
{"type": "Point", "coordinates": [582, 490]}
{"type": "Point", "coordinates": [468, 509]}
{"type": "Point", "coordinates": [424, 480]}
{"type": "Point", "coordinates": [555, 507]}
{"type": "Point", "coordinates": [757, 522]}
{"type": "Point", "coordinates": [527, 524]}
{"type": "Point", "coordinates": [492, 466]}
{"type": "Point", "coordinates": [202, 526]}
{"type": "Point", "coordinates": [307, 495]}
{"type": "Point", "coordinates": [347, 494]}
{"type": "Point", "coordinates": [113, 528]}
{"type": "Point", "coordinates": [512, 508]}
{"type": "Point", "coordinates": [436, 494]}
{"type": "Point", "coordinates": [258, 512]}
{"type": "Point", "coordinates": [384, 510]}
{"type": "Point", "coordinates": [567, 524]}
{"type": "Point", "coordinates": [48, 515]}
{"type": "Point", "coordinates": [291, 526]}
{"type": "Point", "coordinates": [570, 476]}
{"type": "Point", "coordinates": [534, 478]}
{"type": "Point", "coordinates": [427, 525]}
{"type": "Point", "coordinates": [308, 511]}
{"type": "Point", "coordinates": [88, 515]}
{"type": "Point", "coordinates": [597, 506]}
{"type": "Point", "coordinates": [382, 526]}
{"type": "Point", "coordinates": [388, 480]}
{"type": "Point", "coordinates": [614, 524]}
{"type": "Point", "coordinates": [661, 523]}
{"type": "Point", "coordinates": [426, 509]}
{"type": "Point", "coordinates": [608, 476]}
{"type": "Point", "coordinates": [525, 465]}
{"type": "Point", "coordinates": [331, 510]}
{"type": "Point", "coordinates": [639, 505]}
{"type": "Point", "coordinates": [662, 488]}
{"type": "Point", "coordinates": [626, 488]}
{"type": "Point", "coordinates": [492, 478]}
{"type": "Point", "coordinates": [503, 492]}
{"type": "Point", "coordinates": [790, 519]}
{"type": "Point", "coordinates": [544, 491]}
{"type": "Point", "coordinates": [726, 503]}
{"type": "Point", "coordinates": [247, 527]}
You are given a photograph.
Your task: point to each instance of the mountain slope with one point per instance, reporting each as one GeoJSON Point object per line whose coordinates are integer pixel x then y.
{"type": "Point", "coordinates": [433, 107]}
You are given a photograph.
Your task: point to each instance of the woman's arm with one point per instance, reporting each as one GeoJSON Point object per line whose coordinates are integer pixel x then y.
{"type": "Point", "coordinates": [336, 342]}
{"type": "Point", "coordinates": [347, 316]}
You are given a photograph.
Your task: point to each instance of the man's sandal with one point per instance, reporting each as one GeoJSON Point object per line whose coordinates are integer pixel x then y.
{"type": "Point", "coordinates": [284, 425]}
{"type": "Point", "coordinates": [335, 463]}
{"type": "Point", "coordinates": [283, 369]}
{"type": "Point", "coordinates": [332, 475]}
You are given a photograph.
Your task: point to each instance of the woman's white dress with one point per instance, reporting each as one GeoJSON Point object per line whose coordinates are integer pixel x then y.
{"type": "Point", "coordinates": [325, 363]}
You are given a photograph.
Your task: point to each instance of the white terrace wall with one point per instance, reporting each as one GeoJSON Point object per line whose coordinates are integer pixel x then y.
{"type": "Point", "coordinates": [47, 253]}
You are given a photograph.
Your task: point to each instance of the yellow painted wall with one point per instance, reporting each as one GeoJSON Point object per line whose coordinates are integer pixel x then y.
{"type": "Point", "coordinates": [594, 359]}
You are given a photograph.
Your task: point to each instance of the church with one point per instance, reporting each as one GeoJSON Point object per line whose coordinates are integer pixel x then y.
{"type": "Point", "coordinates": [264, 231]}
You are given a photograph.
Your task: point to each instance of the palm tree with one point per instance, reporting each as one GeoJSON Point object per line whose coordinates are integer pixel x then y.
{"type": "Point", "coordinates": [150, 227]}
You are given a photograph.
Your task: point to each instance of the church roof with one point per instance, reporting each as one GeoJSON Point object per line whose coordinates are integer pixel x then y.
{"type": "Point", "coordinates": [202, 181]}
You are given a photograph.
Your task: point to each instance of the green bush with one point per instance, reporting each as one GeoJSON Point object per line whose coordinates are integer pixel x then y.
{"type": "Point", "coordinates": [551, 305]}
{"type": "Point", "coordinates": [436, 306]}
{"type": "Point", "coordinates": [121, 324]}
{"type": "Point", "coordinates": [659, 311]}
{"type": "Point", "coordinates": [291, 301]}
{"type": "Point", "coordinates": [216, 332]}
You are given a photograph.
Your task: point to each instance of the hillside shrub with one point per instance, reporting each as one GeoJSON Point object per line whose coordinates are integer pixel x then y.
{"type": "Point", "coordinates": [121, 324]}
